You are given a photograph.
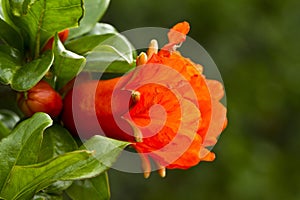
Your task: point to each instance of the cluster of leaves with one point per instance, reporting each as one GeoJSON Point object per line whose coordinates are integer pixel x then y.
{"type": "Point", "coordinates": [39, 158]}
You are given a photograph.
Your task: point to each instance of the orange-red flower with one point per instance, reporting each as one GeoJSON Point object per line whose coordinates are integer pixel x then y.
{"type": "Point", "coordinates": [165, 107]}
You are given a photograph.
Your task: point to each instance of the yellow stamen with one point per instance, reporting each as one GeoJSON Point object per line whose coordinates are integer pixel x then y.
{"type": "Point", "coordinates": [137, 134]}
{"type": "Point", "coordinates": [146, 166]}
{"type": "Point", "coordinates": [153, 48]}
{"type": "Point", "coordinates": [135, 96]}
{"type": "Point", "coordinates": [162, 172]}
{"type": "Point", "coordinates": [141, 59]}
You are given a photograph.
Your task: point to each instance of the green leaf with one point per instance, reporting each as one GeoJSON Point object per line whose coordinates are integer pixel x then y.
{"type": "Point", "coordinates": [57, 141]}
{"type": "Point", "coordinates": [10, 36]}
{"type": "Point", "coordinates": [8, 120]}
{"type": "Point", "coordinates": [93, 188]}
{"type": "Point", "coordinates": [101, 29]}
{"type": "Point", "coordinates": [21, 147]}
{"type": "Point", "coordinates": [31, 73]}
{"type": "Point", "coordinates": [23, 77]}
{"type": "Point", "coordinates": [106, 151]}
{"type": "Point", "coordinates": [111, 52]}
{"type": "Point", "coordinates": [115, 48]}
{"type": "Point", "coordinates": [21, 178]}
{"type": "Point", "coordinates": [66, 64]}
{"type": "Point", "coordinates": [106, 58]}
{"type": "Point", "coordinates": [4, 130]}
{"type": "Point", "coordinates": [86, 44]}
{"type": "Point", "coordinates": [58, 187]}
{"type": "Point", "coordinates": [1, 16]}
{"type": "Point", "coordinates": [45, 196]}
{"type": "Point", "coordinates": [12, 52]}
{"type": "Point", "coordinates": [41, 19]}
{"type": "Point", "coordinates": [9, 64]}
{"type": "Point", "coordinates": [24, 181]}
{"type": "Point", "coordinates": [94, 10]}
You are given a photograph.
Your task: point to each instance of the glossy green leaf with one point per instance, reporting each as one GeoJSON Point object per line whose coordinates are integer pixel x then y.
{"type": "Point", "coordinates": [1, 16]}
{"type": "Point", "coordinates": [8, 120]}
{"type": "Point", "coordinates": [105, 53]}
{"type": "Point", "coordinates": [45, 196]}
{"type": "Point", "coordinates": [9, 64]}
{"type": "Point", "coordinates": [21, 77]}
{"type": "Point", "coordinates": [106, 151]}
{"type": "Point", "coordinates": [93, 188]}
{"type": "Point", "coordinates": [86, 44]}
{"type": "Point", "coordinates": [94, 10]}
{"type": "Point", "coordinates": [116, 48]}
{"type": "Point", "coordinates": [41, 19]}
{"type": "Point", "coordinates": [31, 73]}
{"type": "Point", "coordinates": [10, 36]}
{"type": "Point", "coordinates": [21, 147]}
{"type": "Point", "coordinates": [12, 52]}
{"type": "Point", "coordinates": [106, 58]}
{"type": "Point", "coordinates": [57, 187]}
{"type": "Point", "coordinates": [57, 141]}
{"type": "Point", "coordinates": [101, 29]}
{"type": "Point", "coordinates": [4, 130]}
{"type": "Point", "coordinates": [24, 181]}
{"type": "Point", "coordinates": [66, 64]}
{"type": "Point", "coordinates": [89, 41]}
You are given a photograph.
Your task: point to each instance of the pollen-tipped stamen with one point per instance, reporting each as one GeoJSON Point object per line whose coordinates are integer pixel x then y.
{"type": "Point", "coordinates": [153, 48]}
{"type": "Point", "coordinates": [146, 166]}
{"type": "Point", "coordinates": [141, 59]}
{"type": "Point", "coordinates": [137, 134]}
{"type": "Point", "coordinates": [135, 96]}
{"type": "Point", "coordinates": [162, 172]}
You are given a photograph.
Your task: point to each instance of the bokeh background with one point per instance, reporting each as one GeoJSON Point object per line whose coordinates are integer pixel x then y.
{"type": "Point", "coordinates": [255, 44]}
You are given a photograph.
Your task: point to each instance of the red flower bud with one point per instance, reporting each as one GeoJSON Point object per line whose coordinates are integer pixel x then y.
{"type": "Point", "coordinates": [41, 98]}
{"type": "Point", "coordinates": [63, 35]}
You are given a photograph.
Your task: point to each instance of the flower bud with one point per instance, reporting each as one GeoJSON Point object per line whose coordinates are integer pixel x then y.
{"type": "Point", "coordinates": [41, 98]}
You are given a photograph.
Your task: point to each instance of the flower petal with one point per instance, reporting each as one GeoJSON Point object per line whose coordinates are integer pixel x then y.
{"type": "Point", "coordinates": [178, 33]}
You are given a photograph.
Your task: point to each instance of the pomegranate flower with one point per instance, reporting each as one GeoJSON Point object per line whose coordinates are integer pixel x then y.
{"type": "Point", "coordinates": [166, 107]}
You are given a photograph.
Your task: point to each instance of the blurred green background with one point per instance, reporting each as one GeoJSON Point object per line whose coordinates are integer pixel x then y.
{"type": "Point", "coordinates": [255, 44]}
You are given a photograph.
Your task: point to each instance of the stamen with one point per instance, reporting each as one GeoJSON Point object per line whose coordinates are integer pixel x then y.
{"type": "Point", "coordinates": [146, 166]}
{"type": "Point", "coordinates": [153, 48]}
{"type": "Point", "coordinates": [141, 59]}
{"type": "Point", "coordinates": [137, 134]}
{"type": "Point", "coordinates": [135, 96]}
{"type": "Point", "coordinates": [162, 172]}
